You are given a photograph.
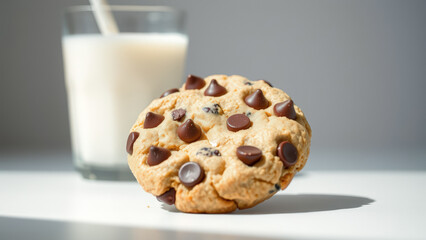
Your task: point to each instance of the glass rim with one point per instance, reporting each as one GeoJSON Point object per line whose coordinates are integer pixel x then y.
{"type": "Point", "coordinates": [125, 8]}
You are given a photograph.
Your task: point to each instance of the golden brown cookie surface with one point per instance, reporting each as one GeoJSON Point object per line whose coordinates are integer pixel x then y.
{"type": "Point", "coordinates": [218, 144]}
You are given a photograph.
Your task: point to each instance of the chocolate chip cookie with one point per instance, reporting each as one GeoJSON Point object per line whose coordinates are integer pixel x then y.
{"type": "Point", "coordinates": [218, 144]}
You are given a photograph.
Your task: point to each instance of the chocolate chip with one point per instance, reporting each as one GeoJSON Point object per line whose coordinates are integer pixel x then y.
{"type": "Point", "coordinates": [285, 109]}
{"type": "Point", "coordinates": [168, 92]}
{"type": "Point", "coordinates": [277, 186]}
{"type": "Point", "coordinates": [249, 154]}
{"type": "Point", "coordinates": [257, 100]}
{"type": "Point", "coordinates": [130, 141]}
{"type": "Point", "coordinates": [152, 120]}
{"type": "Point", "coordinates": [194, 82]}
{"type": "Point", "coordinates": [178, 114]}
{"type": "Point", "coordinates": [208, 152]}
{"type": "Point", "coordinates": [191, 174]}
{"type": "Point", "coordinates": [157, 155]}
{"type": "Point", "coordinates": [238, 122]}
{"type": "Point", "coordinates": [214, 89]}
{"type": "Point", "coordinates": [189, 131]}
{"type": "Point", "coordinates": [168, 197]}
{"type": "Point", "coordinates": [267, 83]}
{"type": "Point", "coordinates": [214, 109]}
{"type": "Point", "coordinates": [288, 153]}
{"type": "Point", "coordinates": [248, 83]}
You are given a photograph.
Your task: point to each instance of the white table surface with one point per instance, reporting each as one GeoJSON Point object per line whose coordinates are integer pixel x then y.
{"type": "Point", "coordinates": [339, 204]}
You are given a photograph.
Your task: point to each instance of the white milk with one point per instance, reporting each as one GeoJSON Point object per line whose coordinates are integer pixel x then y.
{"type": "Point", "coordinates": [110, 80]}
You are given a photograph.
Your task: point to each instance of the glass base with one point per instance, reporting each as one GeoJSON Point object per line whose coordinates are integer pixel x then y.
{"type": "Point", "coordinates": [103, 173]}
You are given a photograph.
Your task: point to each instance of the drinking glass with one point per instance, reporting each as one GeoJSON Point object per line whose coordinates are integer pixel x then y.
{"type": "Point", "coordinates": [111, 78]}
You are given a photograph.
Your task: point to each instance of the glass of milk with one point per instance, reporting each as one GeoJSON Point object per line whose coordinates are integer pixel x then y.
{"type": "Point", "coordinates": [111, 78]}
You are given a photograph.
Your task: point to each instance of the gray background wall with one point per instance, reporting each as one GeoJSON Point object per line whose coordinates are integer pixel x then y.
{"type": "Point", "coordinates": [356, 68]}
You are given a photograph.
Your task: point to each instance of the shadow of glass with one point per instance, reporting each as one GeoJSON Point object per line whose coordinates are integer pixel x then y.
{"type": "Point", "coordinates": [22, 228]}
{"type": "Point", "coordinates": [304, 203]}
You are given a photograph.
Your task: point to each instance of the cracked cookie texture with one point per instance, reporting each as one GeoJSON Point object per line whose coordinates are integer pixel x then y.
{"type": "Point", "coordinates": [190, 125]}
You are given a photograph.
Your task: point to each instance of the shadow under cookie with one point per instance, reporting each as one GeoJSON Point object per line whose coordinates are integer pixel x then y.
{"type": "Point", "coordinates": [304, 203]}
{"type": "Point", "coordinates": [298, 203]}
